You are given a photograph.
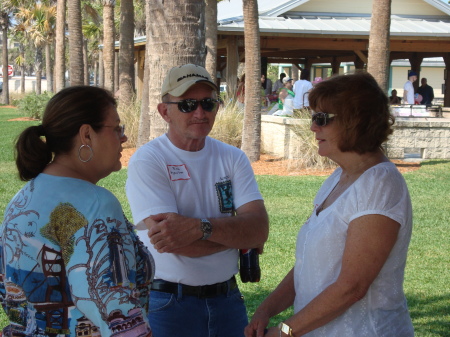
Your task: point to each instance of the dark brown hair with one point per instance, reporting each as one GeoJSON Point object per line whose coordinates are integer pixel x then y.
{"type": "Point", "coordinates": [361, 108]}
{"type": "Point", "coordinates": [64, 114]}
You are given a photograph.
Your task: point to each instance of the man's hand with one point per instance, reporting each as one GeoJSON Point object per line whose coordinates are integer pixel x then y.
{"type": "Point", "coordinates": [171, 231]}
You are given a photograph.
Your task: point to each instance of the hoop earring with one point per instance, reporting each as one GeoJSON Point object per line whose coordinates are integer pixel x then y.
{"type": "Point", "coordinates": [90, 156]}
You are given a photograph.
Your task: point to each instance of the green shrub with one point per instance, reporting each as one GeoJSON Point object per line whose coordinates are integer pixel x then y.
{"type": "Point", "coordinates": [33, 105]}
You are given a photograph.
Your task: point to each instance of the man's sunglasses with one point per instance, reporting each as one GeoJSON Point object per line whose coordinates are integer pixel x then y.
{"type": "Point", "coordinates": [189, 105]}
{"type": "Point", "coordinates": [322, 118]}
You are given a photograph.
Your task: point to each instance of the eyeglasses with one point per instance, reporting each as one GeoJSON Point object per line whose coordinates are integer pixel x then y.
{"type": "Point", "coordinates": [119, 129]}
{"type": "Point", "coordinates": [189, 105]}
{"type": "Point", "coordinates": [322, 118]}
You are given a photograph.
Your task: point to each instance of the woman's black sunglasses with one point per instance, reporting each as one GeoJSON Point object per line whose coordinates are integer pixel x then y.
{"type": "Point", "coordinates": [322, 118]}
{"type": "Point", "coordinates": [189, 105]}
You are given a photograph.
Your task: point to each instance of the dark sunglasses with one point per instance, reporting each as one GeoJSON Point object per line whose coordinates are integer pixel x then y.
{"type": "Point", "coordinates": [189, 105]}
{"type": "Point", "coordinates": [322, 118]}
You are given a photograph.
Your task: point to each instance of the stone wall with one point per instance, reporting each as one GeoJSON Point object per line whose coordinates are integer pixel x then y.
{"type": "Point", "coordinates": [425, 138]}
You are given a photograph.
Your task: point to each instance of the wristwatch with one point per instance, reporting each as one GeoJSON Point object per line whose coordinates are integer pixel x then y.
{"type": "Point", "coordinates": [206, 228]}
{"type": "Point", "coordinates": [286, 329]}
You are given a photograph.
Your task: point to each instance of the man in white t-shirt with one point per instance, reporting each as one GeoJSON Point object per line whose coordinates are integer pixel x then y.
{"type": "Point", "coordinates": [301, 89]}
{"type": "Point", "coordinates": [195, 202]}
{"type": "Point", "coordinates": [408, 88]}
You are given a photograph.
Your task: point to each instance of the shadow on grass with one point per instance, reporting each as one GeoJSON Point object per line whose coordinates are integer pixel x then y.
{"type": "Point", "coordinates": [430, 314]}
{"type": "Point", "coordinates": [434, 162]}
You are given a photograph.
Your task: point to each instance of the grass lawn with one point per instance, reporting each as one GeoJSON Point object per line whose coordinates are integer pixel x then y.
{"type": "Point", "coordinates": [289, 202]}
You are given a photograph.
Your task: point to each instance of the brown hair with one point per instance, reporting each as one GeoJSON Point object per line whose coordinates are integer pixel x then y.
{"type": "Point", "coordinates": [361, 108]}
{"type": "Point", "coordinates": [64, 114]}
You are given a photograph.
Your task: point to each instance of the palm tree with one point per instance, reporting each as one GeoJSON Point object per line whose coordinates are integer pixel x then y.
{"type": "Point", "coordinates": [39, 22]}
{"type": "Point", "coordinates": [251, 132]}
{"type": "Point", "coordinates": [126, 52]}
{"type": "Point", "coordinates": [75, 42]}
{"type": "Point", "coordinates": [211, 38]}
{"type": "Point", "coordinates": [378, 57]}
{"type": "Point", "coordinates": [108, 43]}
{"type": "Point", "coordinates": [4, 24]}
{"type": "Point", "coordinates": [177, 37]}
{"type": "Point", "coordinates": [60, 46]}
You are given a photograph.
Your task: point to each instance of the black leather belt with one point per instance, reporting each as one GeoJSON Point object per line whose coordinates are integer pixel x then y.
{"type": "Point", "coordinates": [206, 291]}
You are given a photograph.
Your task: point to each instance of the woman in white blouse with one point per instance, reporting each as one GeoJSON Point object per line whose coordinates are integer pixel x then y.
{"type": "Point", "coordinates": [351, 252]}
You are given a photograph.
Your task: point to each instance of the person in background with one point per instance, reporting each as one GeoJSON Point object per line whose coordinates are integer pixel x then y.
{"type": "Point", "coordinates": [266, 84]}
{"type": "Point", "coordinates": [195, 201]}
{"type": "Point", "coordinates": [394, 99]}
{"type": "Point", "coordinates": [408, 88]}
{"type": "Point", "coordinates": [70, 260]}
{"type": "Point", "coordinates": [285, 100]}
{"type": "Point", "coordinates": [301, 89]}
{"type": "Point", "coordinates": [279, 84]}
{"type": "Point", "coordinates": [351, 253]}
{"type": "Point", "coordinates": [240, 92]}
{"type": "Point", "coordinates": [426, 91]}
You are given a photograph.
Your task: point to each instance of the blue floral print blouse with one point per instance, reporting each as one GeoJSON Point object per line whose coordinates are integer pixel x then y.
{"type": "Point", "coordinates": [70, 263]}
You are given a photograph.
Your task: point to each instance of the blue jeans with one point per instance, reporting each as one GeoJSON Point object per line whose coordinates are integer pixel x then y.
{"type": "Point", "coordinates": [175, 315]}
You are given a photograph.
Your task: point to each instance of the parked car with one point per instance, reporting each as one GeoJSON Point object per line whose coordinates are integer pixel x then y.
{"type": "Point", "coordinates": [1, 87]}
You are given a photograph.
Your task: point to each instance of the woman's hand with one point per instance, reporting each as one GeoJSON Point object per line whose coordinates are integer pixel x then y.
{"type": "Point", "coordinates": [257, 325]}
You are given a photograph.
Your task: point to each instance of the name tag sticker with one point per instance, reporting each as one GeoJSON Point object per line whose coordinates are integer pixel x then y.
{"type": "Point", "coordinates": [178, 172]}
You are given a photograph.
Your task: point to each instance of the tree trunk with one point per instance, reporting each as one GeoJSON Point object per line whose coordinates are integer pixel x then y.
{"type": "Point", "coordinates": [85, 62]}
{"type": "Point", "coordinates": [60, 49]}
{"type": "Point", "coordinates": [251, 132]}
{"type": "Point", "coordinates": [38, 70]}
{"type": "Point", "coordinates": [126, 52]}
{"type": "Point", "coordinates": [173, 42]}
{"type": "Point", "coordinates": [108, 45]}
{"type": "Point", "coordinates": [95, 73]}
{"type": "Point", "coordinates": [101, 69]}
{"type": "Point", "coordinates": [211, 38]}
{"type": "Point", "coordinates": [144, 119]}
{"type": "Point", "coordinates": [22, 80]}
{"type": "Point", "coordinates": [116, 72]}
{"type": "Point", "coordinates": [48, 66]}
{"type": "Point", "coordinates": [378, 57]}
{"type": "Point", "coordinates": [75, 42]}
{"type": "Point", "coordinates": [4, 25]}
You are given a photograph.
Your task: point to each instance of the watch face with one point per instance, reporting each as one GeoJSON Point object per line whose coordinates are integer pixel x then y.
{"type": "Point", "coordinates": [206, 228]}
{"type": "Point", "coordinates": [285, 329]}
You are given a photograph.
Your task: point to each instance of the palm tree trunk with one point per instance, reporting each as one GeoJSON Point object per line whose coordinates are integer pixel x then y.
{"type": "Point", "coordinates": [251, 132]}
{"type": "Point", "coordinates": [211, 38]}
{"type": "Point", "coordinates": [101, 69]}
{"type": "Point", "coordinates": [75, 42]}
{"type": "Point", "coordinates": [60, 51]}
{"type": "Point", "coordinates": [126, 52]}
{"type": "Point", "coordinates": [38, 70]}
{"type": "Point", "coordinates": [144, 119]}
{"type": "Point", "coordinates": [85, 62]}
{"type": "Point", "coordinates": [108, 45]}
{"type": "Point", "coordinates": [4, 20]}
{"type": "Point", "coordinates": [48, 66]}
{"type": "Point", "coordinates": [378, 57]}
{"type": "Point", "coordinates": [173, 42]}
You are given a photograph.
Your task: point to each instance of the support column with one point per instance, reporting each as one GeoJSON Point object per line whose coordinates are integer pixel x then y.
{"type": "Point", "coordinates": [359, 64]}
{"type": "Point", "coordinates": [295, 71]}
{"type": "Point", "coordinates": [232, 65]}
{"type": "Point", "coordinates": [447, 80]}
{"type": "Point", "coordinates": [335, 65]}
{"type": "Point", "coordinates": [415, 62]}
